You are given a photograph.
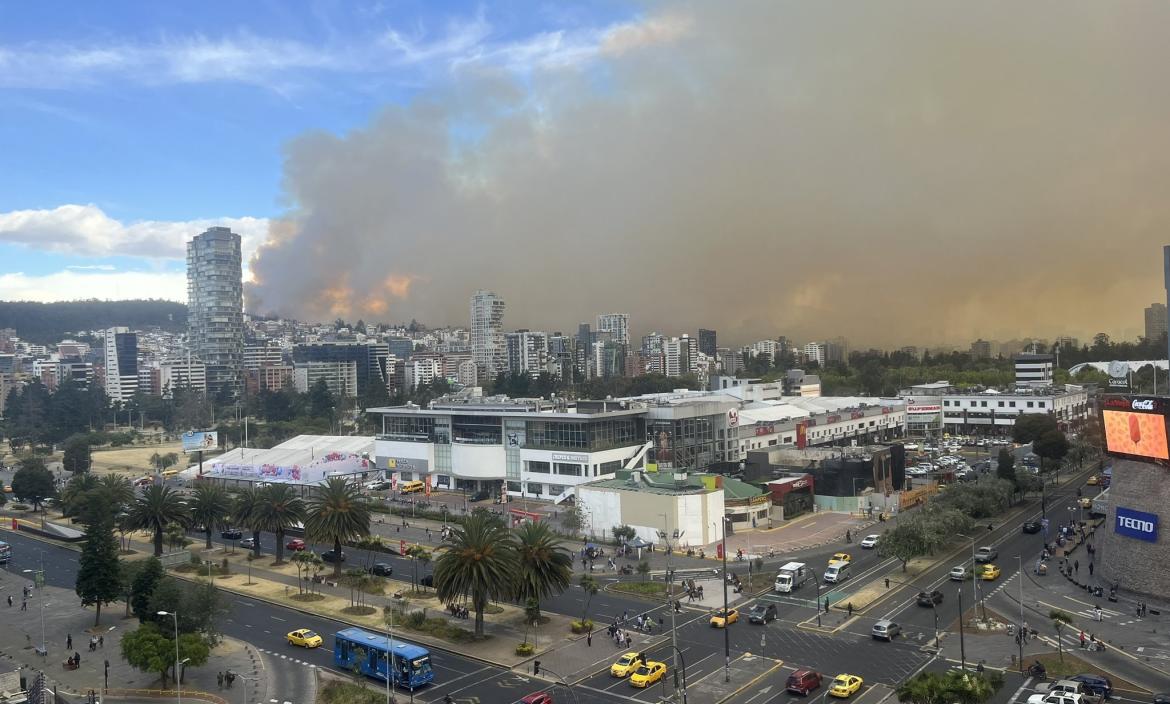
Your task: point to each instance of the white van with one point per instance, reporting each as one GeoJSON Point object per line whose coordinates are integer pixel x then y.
{"type": "Point", "coordinates": [837, 572]}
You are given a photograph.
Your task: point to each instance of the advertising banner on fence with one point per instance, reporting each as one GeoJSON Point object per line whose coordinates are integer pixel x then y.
{"type": "Point", "coordinates": [199, 440]}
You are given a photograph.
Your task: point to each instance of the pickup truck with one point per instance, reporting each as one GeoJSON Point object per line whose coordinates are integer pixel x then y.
{"type": "Point", "coordinates": [1065, 692]}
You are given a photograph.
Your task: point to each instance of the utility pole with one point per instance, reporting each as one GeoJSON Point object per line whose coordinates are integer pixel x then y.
{"type": "Point", "coordinates": [726, 632]}
{"type": "Point", "coordinates": [1020, 636]}
{"type": "Point", "coordinates": [666, 536]}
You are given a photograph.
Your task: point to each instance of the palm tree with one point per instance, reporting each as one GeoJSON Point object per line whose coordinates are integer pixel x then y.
{"type": "Point", "coordinates": [480, 563]}
{"type": "Point", "coordinates": [211, 508]}
{"type": "Point", "coordinates": [75, 490]}
{"type": "Point", "coordinates": [154, 510]}
{"type": "Point", "coordinates": [279, 510]}
{"type": "Point", "coordinates": [546, 566]}
{"type": "Point", "coordinates": [121, 492]}
{"type": "Point", "coordinates": [246, 514]}
{"type": "Point", "coordinates": [337, 513]}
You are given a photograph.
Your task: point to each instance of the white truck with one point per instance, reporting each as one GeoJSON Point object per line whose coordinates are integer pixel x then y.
{"type": "Point", "coordinates": [1064, 692]}
{"type": "Point", "coordinates": [791, 576]}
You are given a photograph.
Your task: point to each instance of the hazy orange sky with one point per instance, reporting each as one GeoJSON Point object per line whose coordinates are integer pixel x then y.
{"type": "Point", "coordinates": [896, 173]}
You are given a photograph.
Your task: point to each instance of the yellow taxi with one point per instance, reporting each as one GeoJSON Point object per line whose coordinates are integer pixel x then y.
{"type": "Point", "coordinates": [841, 557]}
{"type": "Point", "coordinates": [648, 674]}
{"type": "Point", "coordinates": [626, 664]}
{"type": "Point", "coordinates": [989, 573]}
{"type": "Point", "coordinates": [844, 685]}
{"type": "Point", "coordinates": [722, 619]}
{"type": "Point", "coordinates": [1085, 502]}
{"type": "Point", "coordinates": [305, 638]}
{"type": "Point", "coordinates": [1094, 480]}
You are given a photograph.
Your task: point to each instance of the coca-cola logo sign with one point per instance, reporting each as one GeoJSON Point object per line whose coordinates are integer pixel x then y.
{"type": "Point", "coordinates": [1143, 404]}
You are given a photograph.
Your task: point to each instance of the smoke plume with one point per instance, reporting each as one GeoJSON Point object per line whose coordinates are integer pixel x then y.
{"type": "Point", "coordinates": [896, 172]}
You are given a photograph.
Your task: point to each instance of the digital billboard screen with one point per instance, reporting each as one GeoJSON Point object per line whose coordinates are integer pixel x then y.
{"type": "Point", "coordinates": [1135, 428]}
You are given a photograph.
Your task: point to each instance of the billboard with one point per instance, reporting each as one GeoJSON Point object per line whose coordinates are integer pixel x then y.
{"type": "Point", "coordinates": [1136, 524]}
{"type": "Point", "coordinates": [199, 440]}
{"type": "Point", "coordinates": [1135, 428]}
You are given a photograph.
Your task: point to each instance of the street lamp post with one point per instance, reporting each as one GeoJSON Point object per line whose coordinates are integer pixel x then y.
{"type": "Point", "coordinates": [666, 535]}
{"type": "Point", "coordinates": [974, 577]}
{"type": "Point", "coordinates": [178, 685]}
{"type": "Point", "coordinates": [726, 631]}
{"type": "Point", "coordinates": [39, 583]}
{"type": "Point", "coordinates": [962, 647]}
{"type": "Point", "coordinates": [1020, 636]}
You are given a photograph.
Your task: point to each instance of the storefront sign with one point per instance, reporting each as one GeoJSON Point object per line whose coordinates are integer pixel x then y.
{"type": "Point", "coordinates": [562, 457]}
{"type": "Point", "coordinates": [923, 409]}
{"type": "Point", "coordinates": [406, 464]}
{"type": "Point", "coordinates": [1136, 524]}
{"type": "Point", "coordinates": [765, 429]}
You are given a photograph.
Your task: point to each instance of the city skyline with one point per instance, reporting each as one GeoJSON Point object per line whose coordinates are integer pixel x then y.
{"type": "Point", "coordinates": [878, 170]}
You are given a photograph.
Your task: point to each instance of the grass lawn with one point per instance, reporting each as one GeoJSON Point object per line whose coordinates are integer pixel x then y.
{"type": "Point", "coordinates": [336, 692]}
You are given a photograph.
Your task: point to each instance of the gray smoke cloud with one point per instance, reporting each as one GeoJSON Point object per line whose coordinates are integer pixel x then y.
{"type": "Point", "coordinates": [896, 172]}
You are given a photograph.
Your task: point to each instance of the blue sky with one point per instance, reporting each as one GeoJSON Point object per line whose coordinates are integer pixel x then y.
{"type": "Point", "coordinates": [127, 126]}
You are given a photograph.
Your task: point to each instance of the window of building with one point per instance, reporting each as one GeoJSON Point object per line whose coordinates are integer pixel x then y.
{"type": "Point", "coordinates": [568, 470]}
{"type": "Point", "coordinates": [1042, 404]}
{"type": "Point", "coordinates": [419, 428]}
{"type": "Point", "coordinates": [535, 489]}
{"type": "Point", "coordinates": [538, 467]}
{"type": "Point", "coordinates": [1012, 404]}
{"type": "Point", "coordinates": [477, 430]}
{"type": "Point", "coordinates": [556, 489]}
{"type": "Point", "coordinates": [946, 403]}
{"type": "Point", "coordinates": [1029, 404]}
{"type": "Point", "coordinates": [610, 467]}
{"type": "Point", "coordinates": [983, 404]}
{"type": "Point", "coordinates": [514, 486]}
{"type": "Point", "coordinates": [1001, 404]}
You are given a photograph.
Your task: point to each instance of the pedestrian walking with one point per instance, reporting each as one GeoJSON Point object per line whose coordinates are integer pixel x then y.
{"type": "Point", "coordinates": [1076, 566]}
{"type": "Point", "coordinates": [101, 641]}
{"type": "Point", "coordinates": [850, 607]}
{"type": "Point", "coordinates": [1090, 569]}
{"type": "Point", "coordinates": [826, 604]}
{"type": "Point", "coordinates": [10, 601]}
{"type": "Point", "coordinates": [1143, 607]}
{"type": "Point", "coordinates": [219, 679]}
{"type": "Point", "coordinates": [589, 639]}
{"type": "Point", "coordinates": [848, 537]}
{"type": "Point", "coordinates": [69, 641]}
{"type": "Point", "coordinates": [1096, 613]}
{"type": "Point", "coordinates": [24, 605]}
{"type": "Point", "coordinates": [1082, 638]}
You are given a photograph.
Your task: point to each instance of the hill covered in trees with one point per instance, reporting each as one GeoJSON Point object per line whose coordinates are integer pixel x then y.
{"type": "Point", "coordinates": [44, 323]}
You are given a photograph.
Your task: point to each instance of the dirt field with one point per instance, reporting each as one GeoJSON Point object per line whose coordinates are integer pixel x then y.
{"type": "Point", "coordinates": [134, 460]}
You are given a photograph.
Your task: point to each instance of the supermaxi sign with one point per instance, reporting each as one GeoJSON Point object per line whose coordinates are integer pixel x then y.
{"type": "Point", "coordinates": [1136, 524]}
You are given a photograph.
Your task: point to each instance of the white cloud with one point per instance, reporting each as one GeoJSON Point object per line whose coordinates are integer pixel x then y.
{"type": "Point", "coordinates": [86, 230]}
{"type": "Point", "coordinates": [276, 62]}
{"type": "Point", "coordinates": [74, 285]}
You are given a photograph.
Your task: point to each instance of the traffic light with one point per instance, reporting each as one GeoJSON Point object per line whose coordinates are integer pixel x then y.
{"type": "Point", "coordinates": [536, 667]}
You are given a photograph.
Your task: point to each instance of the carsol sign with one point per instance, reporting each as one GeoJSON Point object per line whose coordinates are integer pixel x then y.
{"type": "Point", "coordinates": [1136, 524]}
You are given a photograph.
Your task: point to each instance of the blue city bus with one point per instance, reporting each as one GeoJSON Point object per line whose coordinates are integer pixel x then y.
{"type": "Point", "coordinates": [354, 647]}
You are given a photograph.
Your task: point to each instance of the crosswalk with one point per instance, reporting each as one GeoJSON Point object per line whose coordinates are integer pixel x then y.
{"type": "Point", "coordinates": [284, 656]}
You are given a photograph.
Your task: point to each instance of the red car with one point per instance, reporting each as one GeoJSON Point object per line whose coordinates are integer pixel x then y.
{"type": "Point", "coordinates": [295, 544]}
{"type": "Point", "coordinates": [538, 698]}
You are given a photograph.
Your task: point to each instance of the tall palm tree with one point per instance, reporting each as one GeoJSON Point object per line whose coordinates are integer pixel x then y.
{"type": "Point", "coordinates": [75, 490]}
{"type": "Point", "coordinates": [480, 564]}
{"type": "Point", "coordinates": [246, 514]}
{"type": "Point", "coordinates": [280, 508]}
{"type": "Point", "coordinates": [121, 492]}
{"type": "Point", "coordinates": [154, 510]}
{"type": "Point", "coordinates": [337, 512]}
{"type": "Point", "coordinates": [546, 566]}
{"type": "Point", "coordinates": [210, 508]}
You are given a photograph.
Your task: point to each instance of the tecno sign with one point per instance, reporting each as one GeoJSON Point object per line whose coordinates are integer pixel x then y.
{"type": "Point", "coordinates": [1136, 524]}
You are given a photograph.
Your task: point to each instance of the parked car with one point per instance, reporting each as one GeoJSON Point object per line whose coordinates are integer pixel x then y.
{"type": "Point", "coordinates": [249, 543]}
{"type": "Point", "coordinates": [538, 698]}
{"type": "Point", "coordinates": [295, 544]}
{"type": "Point", "coordinates": [481, 496]}
{"type": "Point", "coordinates": [803, 681]}
{"type": "Point", "coordinates": [427, 581]}
{"type": "Point", "coordinates": [381, 569]}
{"type": "Point", "coordinates": [930, 598]}
{"type": "Point", "coordinates": [762, 613]}
{"type": "Point", "coordinates": [231, 534]}
{"type": "Point", "coordinates": [333, 556]}
{"type": "Point", "coordinates": [1032, 526]}
{"type": "Point", "coordinates": [1096, 684]}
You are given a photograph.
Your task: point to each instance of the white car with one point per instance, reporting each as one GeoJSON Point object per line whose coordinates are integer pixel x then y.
{"type": "Point", "coordinates": [959, 574]}
{"type": "Point", "coordinates": [869, 541]}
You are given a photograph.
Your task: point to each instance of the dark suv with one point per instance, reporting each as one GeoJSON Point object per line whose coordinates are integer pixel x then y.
{"type": "Point", "coordinates": [381, 569]}
{"type": "Point", "coordinates": [333, 556]}
{"type": "Point", "coordinates": [762, 613]}
{"type": "Point", "coordinates": [803, 681]}
{"type": "Point", "coordinates": [231, 534]}
{"type": "Point", "coordinates": [1096, 684]}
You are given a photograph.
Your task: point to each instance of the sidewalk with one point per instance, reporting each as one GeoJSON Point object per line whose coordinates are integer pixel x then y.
{"type": "Point", "coordinates": [64, 617]}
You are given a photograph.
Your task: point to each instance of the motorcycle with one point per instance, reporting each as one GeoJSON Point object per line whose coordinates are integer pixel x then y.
{"type": "Point", "coordinates": [1038, 670]}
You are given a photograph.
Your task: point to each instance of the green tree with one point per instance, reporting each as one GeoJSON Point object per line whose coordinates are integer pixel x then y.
{"type": "Point", "coordinates": [33, 482]}
{"type": "Point", "coordinates": [546, 566]}
{"type": "Point", "coordinates": [624, 533]}
{"type": "Point", "coordinates": [147, 648]}
{"type": "Point", "coordinates": [416, 553]}
{"type": "Point", "coordinates": [952, 687]}
{"type": "Point", "coordinates": [321, 401]}
{"type": "Point", "coordinates": [302, 560]}
{"type": "Point", "coordinates": [337, 513]}
{"type": "Point", "coordinates": [155, 509]}
{"type": "Point", "coordinates": [77, 454]}
{"type": "Point", "coordinates": [480, 564]}
{"type": "Point", "coordinates": [162, 462]}
{"type": "Point", "coordinates": [590, 587]}
{"type": "Point", "coordinates": [144, 584]}
{"type": "Point", "coordinates": [128, 571]}
{"type": "Point", "coordinates": [210, 508]}
{"type": "Point", "coordinates": [643, 569]}
{"type": "Point", "coordinates": [98, 572]}
{"type": "Point", "coordinates": [1060, 621]}
{"type": "Point", "coordinates": [246, 512]}
{"type": "Point", "coordinates": [280, 510]}
{"type": "Point", "coordinates": [1052, 446]}
{"type": "Point", "coordinates": [75, 491]}
{"type": "Point", "coordinates": [120, 491]}
{"type": "Point", "coordinates": [1030, 426]}
{"type": "Point", "coordinates": [1005, 465]}
{"type": "Point", "coordinates": [3, 495]}
{"type": "Point", "coordinates": [573, 519]}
